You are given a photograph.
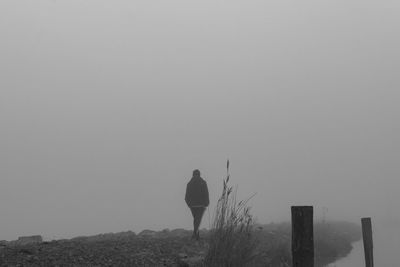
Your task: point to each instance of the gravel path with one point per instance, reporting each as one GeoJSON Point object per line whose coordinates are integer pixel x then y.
{"type": "Point", "coordinates": [127, 250]}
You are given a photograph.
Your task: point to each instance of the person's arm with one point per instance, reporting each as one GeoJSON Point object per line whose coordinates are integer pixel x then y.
{"type": "Point", "coordinates": [187, 195]}
{"type": "Point", "coordinates": [206, 195]}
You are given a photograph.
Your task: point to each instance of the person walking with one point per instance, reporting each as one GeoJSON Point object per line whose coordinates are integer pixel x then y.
{"type": "Point", "coordinates": [197, 199]}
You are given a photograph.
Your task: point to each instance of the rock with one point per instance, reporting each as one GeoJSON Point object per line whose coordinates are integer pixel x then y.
{"type": "Point", "coordinates": [27, 251]}
{"type": "Point", "coordinates": [180, 232]}
{"type": "Point", "coordinates": [147, 233]}
{"type": "Point", "coordinates": [191, 262]}
{"type": "Point", "coordinates": [182, 255]}
{"type": "Point", "coordinates": [25, 240]}
{"type": "Point", "coordinates": [105, 237]}
{"type": "Point", "coordinates": [163, 234]}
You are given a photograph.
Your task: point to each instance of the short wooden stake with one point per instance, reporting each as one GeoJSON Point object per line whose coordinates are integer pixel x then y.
{"type": "Point", "coordinates": [302, 236]}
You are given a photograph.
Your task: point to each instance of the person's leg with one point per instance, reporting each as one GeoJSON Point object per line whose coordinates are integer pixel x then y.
{"type": "Point", "coordinates": [198, 215]}
{"type": "Point", "coordinates": [193, 210]}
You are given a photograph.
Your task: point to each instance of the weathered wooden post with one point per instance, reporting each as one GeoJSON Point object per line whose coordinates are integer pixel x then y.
{"type": "Point", "coordinates": [367, 240]}
{"type": "Point", "coordinates": [302, 236]}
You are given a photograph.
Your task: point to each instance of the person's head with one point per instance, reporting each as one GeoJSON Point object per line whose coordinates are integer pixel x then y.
{"type": "Point", "coordinates": [196, 173]}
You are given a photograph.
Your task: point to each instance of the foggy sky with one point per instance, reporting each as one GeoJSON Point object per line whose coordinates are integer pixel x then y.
{"type": "Point", "coordinates": [106, 107]}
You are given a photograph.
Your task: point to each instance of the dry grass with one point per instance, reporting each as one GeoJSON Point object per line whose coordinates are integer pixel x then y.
{"type": "Point", "coordinates": [232, 241]}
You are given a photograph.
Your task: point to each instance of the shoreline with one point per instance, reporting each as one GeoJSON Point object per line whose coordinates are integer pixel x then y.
{"type": "Point", "coordinates": [169, 247]}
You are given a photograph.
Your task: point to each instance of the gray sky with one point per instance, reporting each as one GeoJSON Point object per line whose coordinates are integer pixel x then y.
{"type": "Point", "coordinates": [106, 107]}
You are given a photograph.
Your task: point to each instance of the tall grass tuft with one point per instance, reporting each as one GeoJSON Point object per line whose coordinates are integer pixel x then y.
{"type": "Point", "coordinates": [232, 241]}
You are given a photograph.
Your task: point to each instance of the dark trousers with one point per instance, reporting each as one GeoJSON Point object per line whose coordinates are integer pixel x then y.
{"type": "Point", "coordinates": [197, 213]}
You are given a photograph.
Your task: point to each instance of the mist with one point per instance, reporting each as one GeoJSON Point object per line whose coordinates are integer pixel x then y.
{"type": "Point", "coordinates": [106, 108]}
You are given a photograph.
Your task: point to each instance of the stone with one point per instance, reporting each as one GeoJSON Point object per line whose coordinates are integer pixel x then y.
{"type": "Point", "coordinates": [147, 233]}
{"type": "Point", "coordinates": [25, 240]}
{"type": "Point", "coordinates": [195, 261]}
{"type": "Point", "coordinates": [180, 232]}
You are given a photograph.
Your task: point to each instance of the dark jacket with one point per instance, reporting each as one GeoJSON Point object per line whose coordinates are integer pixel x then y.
{"type": "Point", "coordinates": [197, 192]}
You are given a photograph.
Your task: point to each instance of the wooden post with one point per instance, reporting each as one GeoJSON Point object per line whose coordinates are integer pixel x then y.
{"type": "Point", "coordinates": [302, 236]}
{"type": "Point", "coordinates": [367, 240]}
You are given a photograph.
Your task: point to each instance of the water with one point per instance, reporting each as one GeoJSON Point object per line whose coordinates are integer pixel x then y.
{"type": "Point", "coordinates": [355, 259]}
{"type": "Point", "coordinates": [386, 249]}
